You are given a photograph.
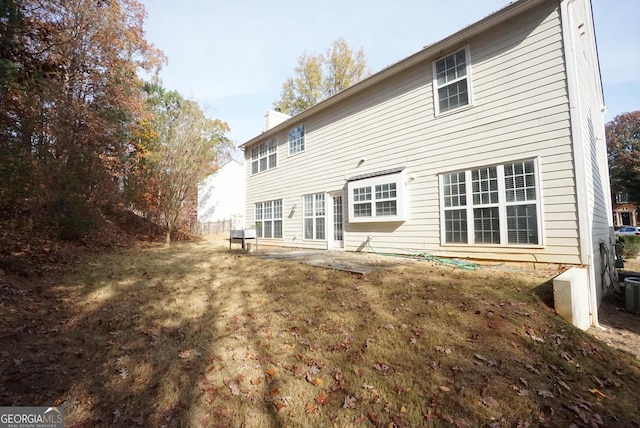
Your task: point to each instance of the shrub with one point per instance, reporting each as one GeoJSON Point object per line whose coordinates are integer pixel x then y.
{"type": "Point", "coordinates": [628, 246]}
{"type": "Point", "coordinates": [72, 217]}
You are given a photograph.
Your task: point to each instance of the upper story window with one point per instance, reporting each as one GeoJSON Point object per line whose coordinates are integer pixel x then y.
{"type": "Point", "coordinates": [451, 83]}
{"type": "Point", "coordinates": [296, 139]}
{"type": "Point", "coordinates": [377, 197]}
{"type": "Point", "coordinates": [622, 198]}
{"type": "Point", "coordinates": [264, 156]}
{"type": "Point", "coordinates": [492, 205]}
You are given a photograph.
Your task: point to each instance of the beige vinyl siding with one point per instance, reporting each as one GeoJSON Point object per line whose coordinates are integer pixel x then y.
{"type": "Point", "coordinates": [510, 99]}
{"type": "Point", "coordinates": [520, 111]}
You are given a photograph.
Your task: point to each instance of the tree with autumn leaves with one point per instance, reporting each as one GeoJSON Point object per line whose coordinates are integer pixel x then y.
{"type": "Point", "coordinates": [623, 150]}
{"type": "Point", "coordinates": [181, 147]}
{"type": "Point", "coordinates": [318, 77]}
{"type": "Point", "coordinates": [76, 126]}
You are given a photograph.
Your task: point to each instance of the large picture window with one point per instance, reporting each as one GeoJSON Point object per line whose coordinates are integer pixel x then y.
{"type": "Point", "coordinates": [451, 81]}
{"type": "Point", "coordinates": [377, 197]}
{"type": "Point", "coordinates": [492, 205]}
{"type": "Point", "coordinates": [264, 156]}
{"type": "Point", "coordinates": [268, 219]}
{"type": "Point", "coordinates": [296, 139]}
{"type": "Point", "coordinates": [314, 216]}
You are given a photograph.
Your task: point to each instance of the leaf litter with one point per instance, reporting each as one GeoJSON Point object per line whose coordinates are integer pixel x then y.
{"type": "Point", "coordinates": [229, 336]}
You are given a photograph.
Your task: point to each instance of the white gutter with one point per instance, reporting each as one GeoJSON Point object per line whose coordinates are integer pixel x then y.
{"type": "Point", "coordinates": [584, 227]}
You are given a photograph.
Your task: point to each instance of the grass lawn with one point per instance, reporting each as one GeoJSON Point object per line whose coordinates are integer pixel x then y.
{"type": "Point", "coordinates": [196, 336]}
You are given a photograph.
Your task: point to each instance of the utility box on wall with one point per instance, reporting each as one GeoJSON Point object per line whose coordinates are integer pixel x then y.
{"type": "Point", "coordinates": [571, 297]}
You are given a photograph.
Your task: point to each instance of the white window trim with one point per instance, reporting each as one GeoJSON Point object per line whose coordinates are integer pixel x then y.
{"type": "Point", "coordinates": [435, 87]}
{"type": "Point", "coordinates": [304, 139]}
{"type": "Point", "coordinates": [502, 204]}
{"type": "Point", "coordinates": [622, 200]}
{"type": "Point", "coordinates": [271, 148]}
{"type": "Point", "coordinates": [398, 178]}
{"type": "Point", "coordinates": [315, 216]}
{"type": "Point", "coordinates": [272, 220]}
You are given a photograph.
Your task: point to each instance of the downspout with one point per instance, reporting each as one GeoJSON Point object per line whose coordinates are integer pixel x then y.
{"type": "Point", "coordinates": [584, 232]}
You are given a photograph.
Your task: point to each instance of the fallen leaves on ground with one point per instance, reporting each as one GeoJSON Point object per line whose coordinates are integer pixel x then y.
{"type": "Point", "coordinates": [198, 337]}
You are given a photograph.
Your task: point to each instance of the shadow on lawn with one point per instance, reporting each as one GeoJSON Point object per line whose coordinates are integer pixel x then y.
{"type": "Point", "coordinates": [545, 293]}
{"type": "Point", "coordinates": [120, 362]}
{"type": "Point", "coordinates": [206, 337]}
{"type": "Point", "coordinates": [612, 309]}
{"type": "Point", "coordinates": [160, 346]}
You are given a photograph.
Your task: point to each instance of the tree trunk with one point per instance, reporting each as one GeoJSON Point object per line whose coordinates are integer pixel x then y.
{"type": "Point", "coordinates": [168, 238]}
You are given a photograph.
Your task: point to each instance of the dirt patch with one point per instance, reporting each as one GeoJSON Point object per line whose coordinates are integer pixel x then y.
{"type": "Point", "coordinates": [359, 263]}
{"type": "Point", "coordinates": [621, 328]}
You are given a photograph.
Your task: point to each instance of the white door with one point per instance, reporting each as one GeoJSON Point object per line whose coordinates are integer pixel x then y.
{"type": "Point", "coordinates": [336, 230]}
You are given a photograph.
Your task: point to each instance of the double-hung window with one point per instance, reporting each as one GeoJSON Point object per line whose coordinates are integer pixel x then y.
{"type": "Point", "coordinates": [264, 156]}
{"type": "Point", "coordinates": [497, 204]}
{"type": "Point", "coordinates": [386, 199]}
{"type": "Point", "coordinates": [362, 205]}
{"type": "Point", "coordinates": [377, 197]}
{"type": "Point", "coordinates": [314, 216]}
{"type": "Point", "coordinates": [375, 200]}
{"type": "Point", "coordinates": [622, 198]}
{"type": "Point", "coordinates": [451, 83]}
{"type": "Point", "coordinates": [268, 219]}
{"type": "Point", "coordinates": [296, 139]}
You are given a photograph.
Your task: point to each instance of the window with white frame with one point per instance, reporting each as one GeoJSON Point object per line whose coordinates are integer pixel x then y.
{"type": "Point", "coordinates": [492, 205]}
{"type": "Point", "coordinates": [296, 139]}
{"type": "Point", "coordinates": [377, 197]}
{"type": "Point", "coordinates": [314, 216]}
{"type": "Point", "coordinates": [622, 198]}
{"type": "Point", "coordinates": [451, 83]}
{"type": "Point", "coordinates": [362, 201]}
{"type": "Point", "coordinates": [264, 156]}
{"type": "Point", "coordinates": [386, 199]}
{"type": "Point", "coordinates": [268, 219]}
{"type": "Point", "coordinates": [338, 227]}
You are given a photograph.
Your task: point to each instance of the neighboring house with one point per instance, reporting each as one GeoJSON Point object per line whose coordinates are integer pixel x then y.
{"type": "Point", "coordinates": [488, 144]}
{"type": "Point", "coordinates": [625, 213]}
{"type": "Point", "coordinates": [221, 199]}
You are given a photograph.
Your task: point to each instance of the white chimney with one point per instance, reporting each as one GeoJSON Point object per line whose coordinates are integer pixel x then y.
{"type": "Point", "coordinates": [274, 118]}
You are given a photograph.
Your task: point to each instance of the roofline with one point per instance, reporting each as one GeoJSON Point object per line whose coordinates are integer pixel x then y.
{"type": "Point", "coordinates": [229, 161]}
{"type": "Point", "coordinates": [431, 51]}
{"type": "Point", "coordinates": [376, 174]}
{"type": "Point", "coordinates": [595, 41]}
{"type": "Point", "coordinates": [625, 204]}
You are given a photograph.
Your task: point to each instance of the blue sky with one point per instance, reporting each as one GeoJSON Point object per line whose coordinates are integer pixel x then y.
{"type": "Point", "coordinates": [233, 56]}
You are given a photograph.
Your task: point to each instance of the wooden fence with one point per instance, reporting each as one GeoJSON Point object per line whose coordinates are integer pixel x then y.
{"type": "Point", "coordinates": [211, 228]}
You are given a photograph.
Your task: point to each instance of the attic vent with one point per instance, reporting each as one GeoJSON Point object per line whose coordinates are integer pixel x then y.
{"type": "Point", "coordinates": [581, 30]}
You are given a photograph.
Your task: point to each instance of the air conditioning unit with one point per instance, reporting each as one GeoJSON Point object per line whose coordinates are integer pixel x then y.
{"type": "Point", "coordinates": [632, 294]}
